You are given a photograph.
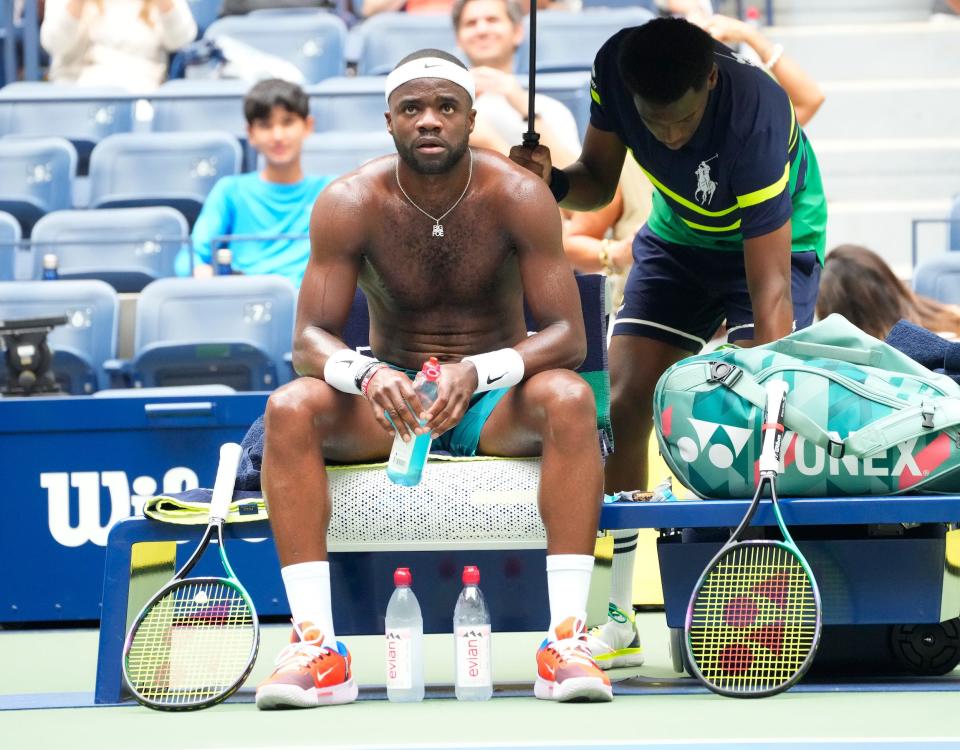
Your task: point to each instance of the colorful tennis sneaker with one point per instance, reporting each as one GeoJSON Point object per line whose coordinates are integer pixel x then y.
{"type": "Point", "coordinates": [308, 674]}
{"type": "Point", "coordinates": [565, 669]}
{"type": "Point", "coordinates": [616, 643]}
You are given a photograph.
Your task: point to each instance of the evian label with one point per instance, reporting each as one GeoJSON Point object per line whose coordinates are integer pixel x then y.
{"type": "Point", "coordinates": [399, 672]}
{"type": "Point", "coordinates": [473, 655]}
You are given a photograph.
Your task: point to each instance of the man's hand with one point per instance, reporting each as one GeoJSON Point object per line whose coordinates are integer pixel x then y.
{"type": "Point", "coordinates": [493, 81]}
{"type": "Point", "coordinates": [457, 385]}
{"type": "Point", "coordinates": [391, 391]}
{"type": "Point", "coordinates": [536, 159]}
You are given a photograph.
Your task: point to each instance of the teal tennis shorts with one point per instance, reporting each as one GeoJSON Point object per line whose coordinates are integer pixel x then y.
{"type": "Point", "coordinates": [462, 439]}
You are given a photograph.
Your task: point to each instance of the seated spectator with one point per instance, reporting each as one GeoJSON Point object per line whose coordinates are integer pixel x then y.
{"type": "Point", "coordinates": [276, 201]}
{"type": "Point", "coordinates": [858, 284]}
{"type": "Point", "coordinates": [489, 32]}
{"type": "Point", "coordinates": [114, 42]}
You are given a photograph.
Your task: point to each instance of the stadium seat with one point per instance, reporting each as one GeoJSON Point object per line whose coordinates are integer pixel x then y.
{"type": "Point", "coordinates": [570, 41]}
{"type": "Point", "coordinates": [955, 223]}
{"type": "Point", "coordinates": [190, 104]}
{"type": "Point", "coordinates": [386, 38]}
{"type": "Point", "coordinates": [89, 338]}
{"type": "Point", "coordinates": [84, 116]}
{"type": "Point", "coordinates": [348, 104]}
{"type": "Point", "coordinates": [126, 247]}
{"type": "Point", "coordinates": [234, 330]}
{"type": "Point", "coordinates": [9, 237]}
{"type": "Point", "coordinates": [337, 153]}
{"type": "Point", "coordinates": [204, 12]}
{"type": "Point", "coordinates": [161, 169]}
{"type": "Point", "coordinates": [36, 176]}
{"type": "Point", "coordinates": [314, 42]}
{"type": "Point", "coordinates": [939, 278]}
{"type": "Point", "coordinates": [572, 90]}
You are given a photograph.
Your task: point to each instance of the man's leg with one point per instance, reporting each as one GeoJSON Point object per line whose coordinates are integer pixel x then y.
{"type": "Point", "coordinates": [306, 421]}
{"type": "Point", "coordinates": [636, 363]}
{"type": "Point", "coordinates": [553, 414]}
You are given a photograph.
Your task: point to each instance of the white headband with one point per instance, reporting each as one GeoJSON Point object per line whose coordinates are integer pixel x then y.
{"type": "Point", "coordinates": [430, 67]}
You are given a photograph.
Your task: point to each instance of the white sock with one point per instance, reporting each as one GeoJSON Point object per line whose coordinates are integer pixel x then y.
{"type": "Point", "coordinates": [568, 585]}
{"type": "Point", "coordinates": [624, 556]}
{"type": "Point", "coordinates": [308, 593]}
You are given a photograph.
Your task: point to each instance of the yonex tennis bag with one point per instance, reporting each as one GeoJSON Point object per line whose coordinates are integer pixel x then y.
{"type": "Point", "coordinates": [861, 417]}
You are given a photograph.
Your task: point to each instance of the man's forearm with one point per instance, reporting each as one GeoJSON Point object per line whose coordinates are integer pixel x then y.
{"type": "Point", "coordinates": [773, 318]}
{"type": "Point", "coordinates": [587, 192]}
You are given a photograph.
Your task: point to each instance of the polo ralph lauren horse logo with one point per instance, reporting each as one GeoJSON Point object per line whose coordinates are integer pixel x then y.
{"type": "Point", "coordinates": [705, 186]}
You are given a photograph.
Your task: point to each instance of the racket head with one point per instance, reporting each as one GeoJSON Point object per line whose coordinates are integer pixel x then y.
{"type": "Point", "coordinates": [754, 619]}
{"type": "Point", "coordinates": [192, 645]}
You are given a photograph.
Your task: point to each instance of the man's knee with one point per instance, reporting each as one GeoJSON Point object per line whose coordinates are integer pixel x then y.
{"type": "Point", "coordinates": [297, 405]}
{"type": "Point", "coordinates": [566, 397]}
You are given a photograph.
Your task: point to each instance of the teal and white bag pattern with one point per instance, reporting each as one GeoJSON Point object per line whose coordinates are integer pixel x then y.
{"type": "Point", "coordinates": [861, 417]}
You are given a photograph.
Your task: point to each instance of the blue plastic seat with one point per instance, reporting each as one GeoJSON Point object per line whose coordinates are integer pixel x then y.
{"type": "Point", "coordinates": [86, 342]}
{"type": "Point", "coordinates": [126, 247]}
{"type": "Point", "coordinates": [9, 249]}
{"type": "Point", "coordinates": [161, 169]}
{"type": "Point", "coordinates": [204, 12]}
{"type": "Point", "coordinates": [570, 89]}
{"type": "Point", "coordinates": [570, 41]}
{"type": "Point", "coordinates": [348, 104]}
{"type": "Point", "coordinates": [314, 42]}
{"type": "Point", "coordinates": [234, 330]}
{"type": "Point", "coordinates": [939, 278]}
{"type": "Point", "coordinates": [84, 116]}
{"type": "Point", "coordinates": [337, 153]}
{"type": "Point", "coordinates": [189, 105]}
{"type": "Point", "coordinates": [36, 177]}
{"type": "Point", "coordinates": [386, 38]}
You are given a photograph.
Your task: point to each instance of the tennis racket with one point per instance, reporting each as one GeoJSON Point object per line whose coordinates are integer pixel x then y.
{"type": "Point", "coordinates": [196, 640]}
{"type": "Point", "coordinates": [753, 622]}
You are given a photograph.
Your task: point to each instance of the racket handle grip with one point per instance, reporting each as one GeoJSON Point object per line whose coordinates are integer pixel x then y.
{"type": "Point", "coordinates": [772, 430]}
{"type": "Point", "coordinates": [226, 479]}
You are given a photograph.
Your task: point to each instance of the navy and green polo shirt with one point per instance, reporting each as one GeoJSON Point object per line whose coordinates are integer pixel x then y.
{"type": "Point", "coordinates": [747, 170]}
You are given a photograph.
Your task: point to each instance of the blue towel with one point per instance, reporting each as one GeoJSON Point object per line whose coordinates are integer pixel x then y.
{"type": "Point", "coordinates": [248, 474]}
{"type": "Point", "coordinates": [923, 346]}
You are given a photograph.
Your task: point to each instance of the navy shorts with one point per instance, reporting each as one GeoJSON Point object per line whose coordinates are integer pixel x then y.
{"type": "Point", "coordinates": [681, 295]}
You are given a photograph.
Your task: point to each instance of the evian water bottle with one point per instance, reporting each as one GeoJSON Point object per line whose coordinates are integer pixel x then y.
{"type": "Point", "coordinates": [471, 634]}
{"type": "Point", "coordinates": [407, 459]}
{"type": "Point", "coordinates": [404, 631]}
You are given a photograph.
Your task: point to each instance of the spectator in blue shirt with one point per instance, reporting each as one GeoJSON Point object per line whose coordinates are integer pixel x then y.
{"type": "Point", "coordinates": [274, 201]}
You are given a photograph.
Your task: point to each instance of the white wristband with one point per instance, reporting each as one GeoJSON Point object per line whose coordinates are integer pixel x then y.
{"type": "Point", "coordinates": [345, 369]}
{"type": "Point", "coordinates": [774, 57]}
{"type": "Point", "coordinates": [500, 369]}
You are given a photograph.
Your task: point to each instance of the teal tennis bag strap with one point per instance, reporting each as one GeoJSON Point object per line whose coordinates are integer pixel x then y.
{"type": "Point", "coordinates": [861, 417]}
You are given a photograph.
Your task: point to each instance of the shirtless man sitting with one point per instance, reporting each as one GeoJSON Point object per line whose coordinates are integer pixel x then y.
{"type": "Point", "coordinates": [446, 242]}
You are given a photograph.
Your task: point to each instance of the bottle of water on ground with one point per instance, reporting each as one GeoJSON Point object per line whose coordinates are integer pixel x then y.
{"type": "Point", "coordinates": [224, 262]}
{"type": "Point", "coordinates": [471, 635]}
{"type": "Point", "coordinates": [50, 263]}
{"type": "Point", "coordinates": [404, 631]}
{"type": "Point", "coordinates": [407, 459]}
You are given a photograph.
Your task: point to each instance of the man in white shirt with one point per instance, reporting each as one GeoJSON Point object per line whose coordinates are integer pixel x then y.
{"type": "Point", "coordinates": [489, 32]}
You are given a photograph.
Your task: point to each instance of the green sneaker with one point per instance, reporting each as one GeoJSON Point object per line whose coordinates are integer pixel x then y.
{"type": "Point", "coordinates": [616, 642]}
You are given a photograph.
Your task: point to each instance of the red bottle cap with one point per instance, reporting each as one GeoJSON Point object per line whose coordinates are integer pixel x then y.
{"type": "Point", "coordinates": [471, 575]}
{"type": "Point", "coordinates": [402, 577]}
{"type": "Point", "coordinates": [431, 369]}
{"type": "Point", "coordinates": [753, 13]}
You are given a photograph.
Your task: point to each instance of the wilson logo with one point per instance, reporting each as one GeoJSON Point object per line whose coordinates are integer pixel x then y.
{"type": "Point", "coordinates": [75, 510]}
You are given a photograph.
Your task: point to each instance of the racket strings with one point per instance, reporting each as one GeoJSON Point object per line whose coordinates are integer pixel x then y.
{"type": "Point", "coordinates": [754, 622]}
{"type": "Point", "coordinates": [192, 645]}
